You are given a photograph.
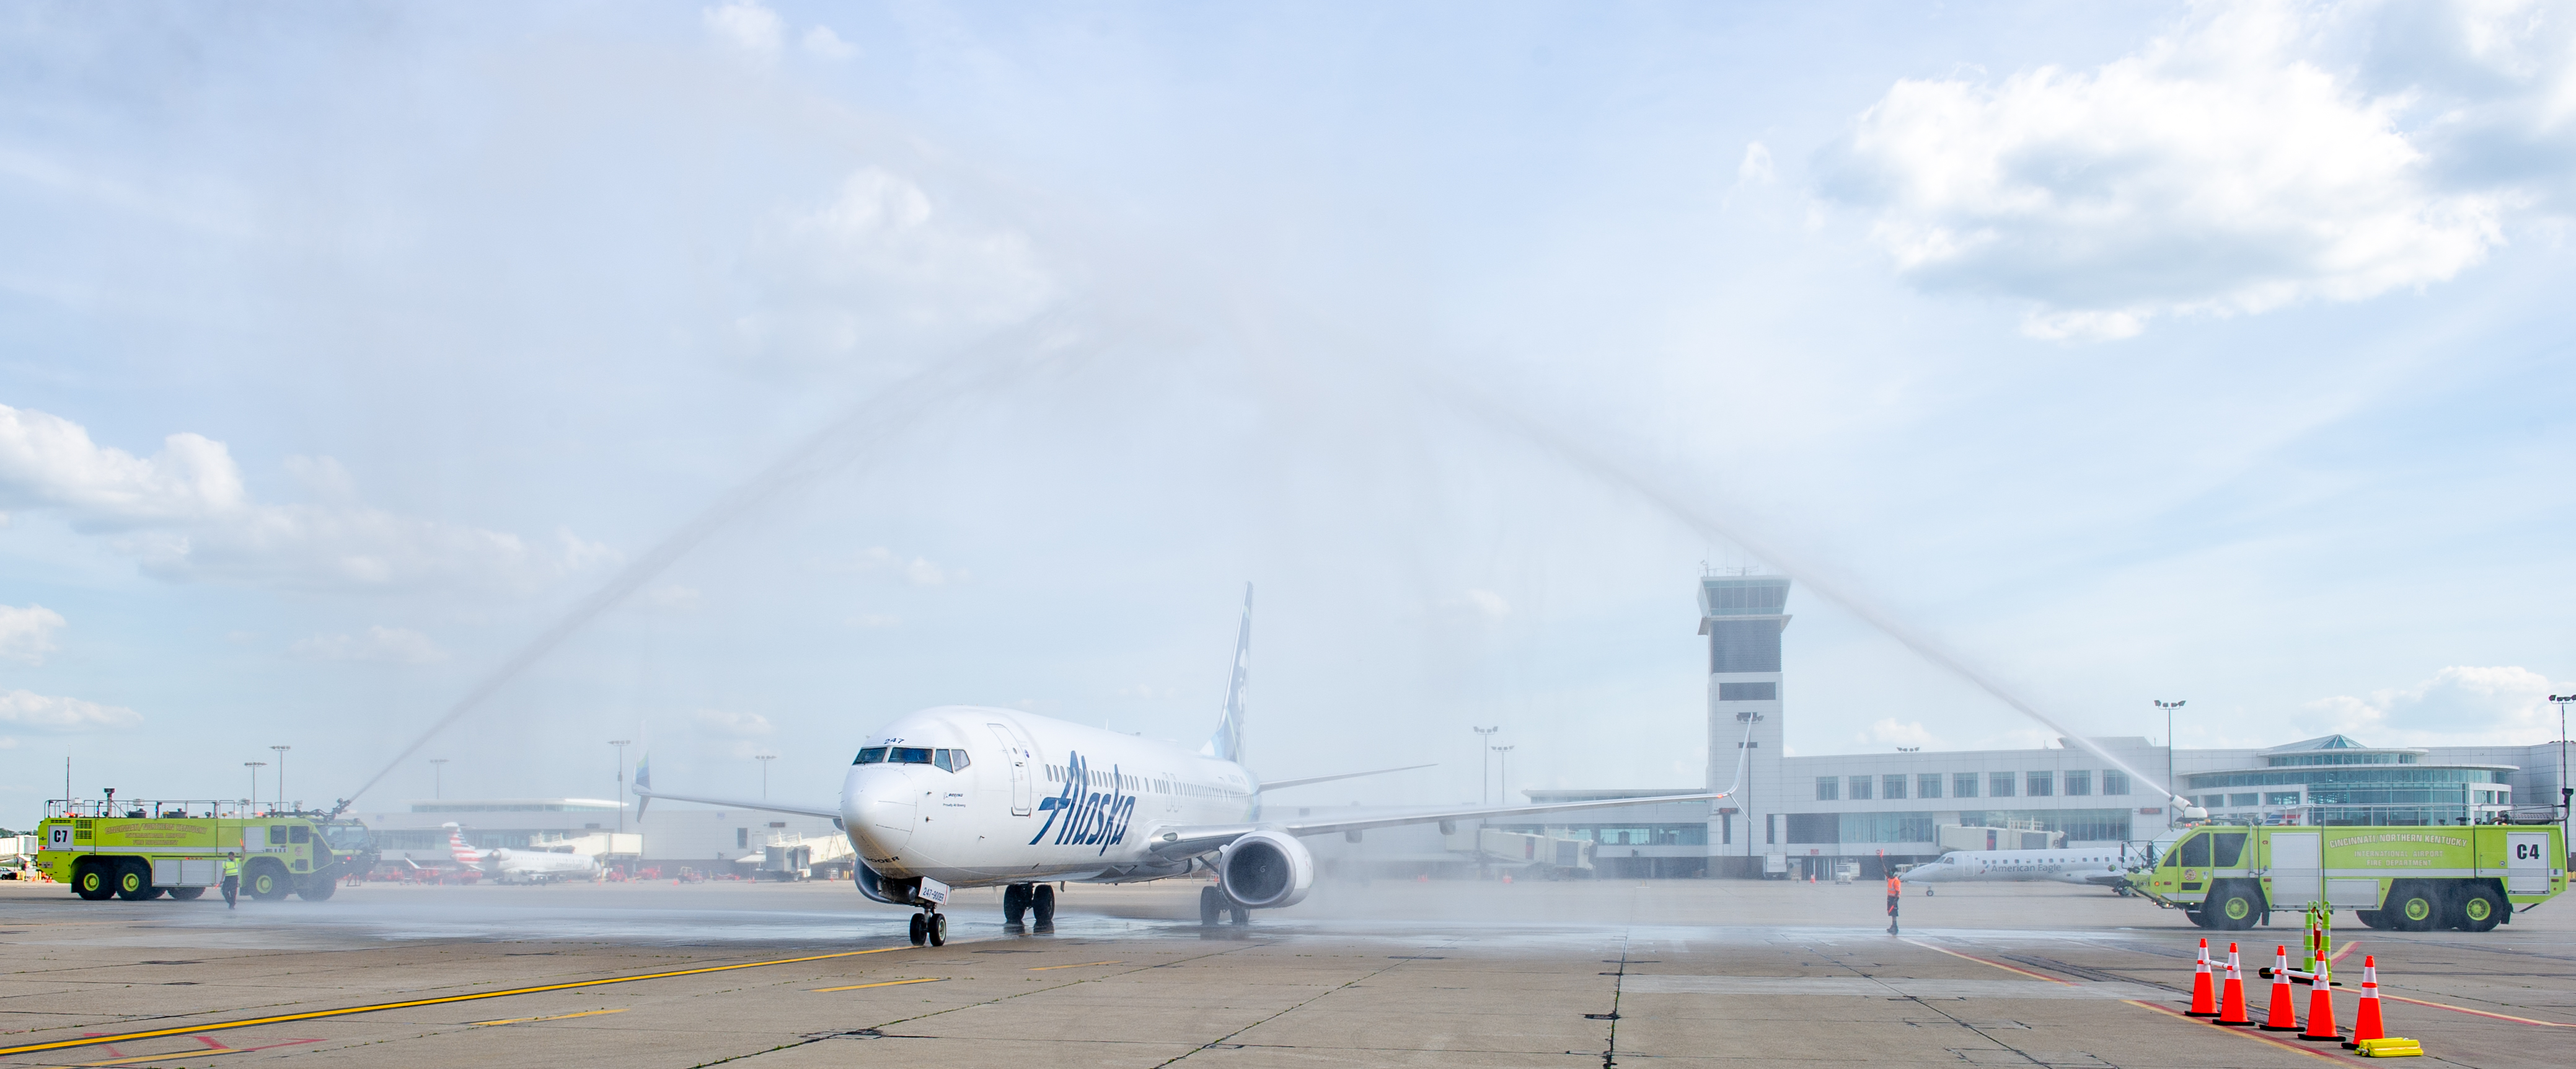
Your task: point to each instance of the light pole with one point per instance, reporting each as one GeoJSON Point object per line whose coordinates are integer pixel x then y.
{"type": "Point", "coordinates": [2564, 791]}
{"type": "Point", "coordinates": [437, 778]}
{"type": "Point", "coordinates": [1483, 760]}
{"type": "Point", "coordinates": [764, 759]}
{"type": "Point", "coordinates": [2171, 794]}
{"type": "Point", "coordinates": [621, 745]}
{"type": "Point", "coordinates": [281, 774]}
{"type": "Point", "coordinates": [1503, 784]}
{"type": "Point", "coordinates": [254, 767]}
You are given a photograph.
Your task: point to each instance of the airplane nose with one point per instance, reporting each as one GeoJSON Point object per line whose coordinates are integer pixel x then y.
{"type": "Point", "coordinates": [880, 808]}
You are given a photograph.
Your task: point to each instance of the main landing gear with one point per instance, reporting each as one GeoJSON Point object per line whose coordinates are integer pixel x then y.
{"type": "Point", "coordinates": [930, 926]}
{"type": "Point", "coordinates": [1021, 899]}
{"type": "Point", "coordinates": [1213, 902]}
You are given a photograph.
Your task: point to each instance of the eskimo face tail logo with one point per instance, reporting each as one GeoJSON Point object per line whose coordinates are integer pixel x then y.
{"type": "Point", "coordinates": [1082, 817]}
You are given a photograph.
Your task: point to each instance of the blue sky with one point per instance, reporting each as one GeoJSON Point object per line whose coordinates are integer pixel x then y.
{"type": "Point", "coordinates": [2132, 351]}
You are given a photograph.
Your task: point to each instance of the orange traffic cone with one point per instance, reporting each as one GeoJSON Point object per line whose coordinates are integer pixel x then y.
{"type": "Point", "coordinates": [2280, 1019]}
{"type": "Point", "coordinates": [2321, 1026]}
{"type": "Point", "coordinates": [2204, 999]}
{"type": "Point", "coordinates": [2365, 1020]}
{"type": "Point", "coordinates": [2231, 995]}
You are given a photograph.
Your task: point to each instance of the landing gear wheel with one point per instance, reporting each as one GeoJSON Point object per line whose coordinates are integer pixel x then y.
{"type": "Point", "coordinates": [1042, 903]}
{"type": "Point", "coordinates": [1211, 903]}
{"type": "Point", "coordinates": [939, 929]}
{"type": "Point", "coordinates": [920, 928]}
{"type": "Point", "coordinates": [1242, 916]}
{"type": "Point", "coordinates": [2480, 909]}
{"type": "Point", "coordinates": [186, 894]}
{"type": "Point", "coordinates": [1015, 904]}
{"type": "Point", "coordinates": [94, 882]}
{"type": "Point", "coordinates": [134, 881]}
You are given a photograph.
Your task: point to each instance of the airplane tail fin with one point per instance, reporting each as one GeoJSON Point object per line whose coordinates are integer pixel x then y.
{"type": "Point", "coordinates": [456, 848]}
{"type": "Point", "coordinates": [643, 785]}
{"type": "Point", "coordinates": [1227, 743]}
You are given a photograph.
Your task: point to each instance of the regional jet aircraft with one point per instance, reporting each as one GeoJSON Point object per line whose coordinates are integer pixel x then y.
{"type": "Point", "coordinates": [2106, 866]}
{"type": "Point", "coordinates": [967, 796]}
{"type": "Point", "coordinates": [522, 866]}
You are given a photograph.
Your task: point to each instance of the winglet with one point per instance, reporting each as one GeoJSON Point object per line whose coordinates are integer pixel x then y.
{"type": "Point", "coordinates": [1227, 743]}
{"type": "Point", "coordinates": [643, 785]}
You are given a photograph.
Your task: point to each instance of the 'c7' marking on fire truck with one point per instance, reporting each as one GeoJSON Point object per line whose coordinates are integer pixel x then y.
{"type": "Point", "coordinates": [128, 1037]}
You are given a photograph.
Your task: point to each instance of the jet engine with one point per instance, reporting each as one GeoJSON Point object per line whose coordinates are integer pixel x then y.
{"type": "Point", "coordinates": [1266, 870]}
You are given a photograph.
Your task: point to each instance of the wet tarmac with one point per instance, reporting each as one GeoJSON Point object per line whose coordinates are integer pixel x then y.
{"type": "Point", "coordinates": [1416, 974]}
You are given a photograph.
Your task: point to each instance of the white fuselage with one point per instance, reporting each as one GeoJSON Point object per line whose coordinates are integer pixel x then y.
{"type": "Point", "coordinates": [511, 866]}
{"type": "Point", "coordinates": [2102, 867]}
{"type": "Point", "coordinates": [1037, 799]}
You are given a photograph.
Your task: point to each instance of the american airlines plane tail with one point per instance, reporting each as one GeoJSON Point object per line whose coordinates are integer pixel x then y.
{"type": "Point", "coordinates": [1227, 743]}
{"type": "Point", "coordinates": [456, 848]}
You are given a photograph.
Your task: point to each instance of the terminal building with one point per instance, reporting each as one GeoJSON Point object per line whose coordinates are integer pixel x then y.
{"type": "Point", "coordinates": [672, 835]}
{"type": "Point", "coordinates": [1810, 813]}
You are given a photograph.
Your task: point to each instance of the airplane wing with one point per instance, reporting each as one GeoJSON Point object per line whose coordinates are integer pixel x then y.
{"type": "Point", "coordinates": [646, 795]}
{"type": "Point", "coordinates": [1186, 841]}
{"type": "Point", "coordinates": [1272, 785]}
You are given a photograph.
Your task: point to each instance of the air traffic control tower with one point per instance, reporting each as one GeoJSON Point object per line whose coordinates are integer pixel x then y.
{"type": "Point", "coordinates": [1742, 615]}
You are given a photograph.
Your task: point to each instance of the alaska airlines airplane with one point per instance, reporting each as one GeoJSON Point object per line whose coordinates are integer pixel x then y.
{"type": "Point", "coordinates": [968, 796]}
{"type": "Point", "coordinates": [2097, 867]}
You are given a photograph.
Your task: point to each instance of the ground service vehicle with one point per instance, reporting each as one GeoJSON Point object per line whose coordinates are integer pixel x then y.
{"type": "Point", "coordinates": [138, 850]}
{"type": "Point", "coordinates": [2407, 878]}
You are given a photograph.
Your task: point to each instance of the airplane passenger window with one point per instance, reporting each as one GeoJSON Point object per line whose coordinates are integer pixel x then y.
{"type": "Point", "coordinates": [870, 756]}
{"type": "Point", "coordinates": [2230, 848]}
{"type": "Point", "coordinates": [2195, 852]}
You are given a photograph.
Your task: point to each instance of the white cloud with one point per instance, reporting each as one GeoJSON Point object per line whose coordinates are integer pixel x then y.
{"type": "Point", "coordinates": [2221, 169]}
{"type": "Point", "coordinates": [736, 725]}
{"type": "Point", "coordinates": [46, 460]}
{"type": "Point", "coordinates": [2460, 705]}
{"type": "Point", "coordinates": [36, 712]}
{"type": "Point", "coordinates": [183, 514]}
{"type": "Point", "coordinates": [1756, 166]}
{"type": "Point", "coordinates": [1889, 731]}
{"type": "Point", "coordinates": [1486, 602]}
{"type": "Point", "coordinates": [28, 634]}
{"type": "Point", "coordinates": [821, 41]}
{"type": "Point", "coordinates": [746, 25]}
{"type": "Point", "coordinates": [672, 598]}
{"type": "Point", "coordinates": [881, 266]}
{"type": "Point", "coordinates": [393, 645]}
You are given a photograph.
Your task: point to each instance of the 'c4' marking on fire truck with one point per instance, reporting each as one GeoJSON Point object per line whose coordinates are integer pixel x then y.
{"type": "Point", "coordinates": [128, 1037]}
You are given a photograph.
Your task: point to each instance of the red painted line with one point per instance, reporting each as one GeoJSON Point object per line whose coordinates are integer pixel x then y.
{"type": "Point", "coordinates": [2383, 993]}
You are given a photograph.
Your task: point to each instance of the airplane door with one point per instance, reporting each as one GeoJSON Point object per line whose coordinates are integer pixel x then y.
{"type": "Point", "coordinates": [2526, 863]}
{"type": "Point", "coordinates": [1021, 786]}
{"type": "Point", "coordinates": [2298, 868]}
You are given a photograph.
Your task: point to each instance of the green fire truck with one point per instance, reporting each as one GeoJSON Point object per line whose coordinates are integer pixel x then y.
{"type": "Point", "coordinates": [139, 850]}
{"type": "Point", "coordinates": [2406, 878]}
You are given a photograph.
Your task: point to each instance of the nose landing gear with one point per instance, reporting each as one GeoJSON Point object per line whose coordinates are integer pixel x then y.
{"type": "Point", "coordinates": [1021, 899]}
{"type": "Point", "coordinates": [930, 926]}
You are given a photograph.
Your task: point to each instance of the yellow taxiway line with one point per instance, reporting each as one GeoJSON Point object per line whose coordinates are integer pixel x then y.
{"type": "Point", "coordinates": [310, 1015]}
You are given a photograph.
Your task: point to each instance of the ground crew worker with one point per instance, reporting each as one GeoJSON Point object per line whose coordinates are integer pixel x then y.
{"type": "Point", "coordinates": [1895, 891]}
{"type": "Point", "coordinates": [232, 880]}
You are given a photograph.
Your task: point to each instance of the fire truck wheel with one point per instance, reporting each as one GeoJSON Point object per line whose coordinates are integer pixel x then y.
{"type": "Point", "coordinates": [266, 881]}
{"type": "Point", "coordinates": [2414, 905]}
{"type": "Point", "coordinates": [186, 894]}
{"type": "Point", "coordinates": [317, 887]}
{"type": "Point", "coordinates": [2372, 917]}
{"type": "Point", "coordinates": [134, 880]}
{"type": "Point", "coordinates": [2233, 908]}
{"type": "Point", "coordinates": [94, 880]}
{"type": "Point", "coordinates": [2479, 909]}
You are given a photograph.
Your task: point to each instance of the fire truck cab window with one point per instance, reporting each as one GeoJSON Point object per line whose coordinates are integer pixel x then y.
{"type": "Point", "coordinates": [2195, 852]}
{"type": "Point", "coordinates": [2229, 850]}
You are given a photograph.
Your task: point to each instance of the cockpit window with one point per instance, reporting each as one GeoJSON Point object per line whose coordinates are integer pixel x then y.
{"type": "Point", "coordinates": [870, 756]}
{"type": "Point", "coordinates": [944, 760]}
{"type": "Point", "coordinates": [907, 755]}
{"type": "Point", "coordinates": [950, 760]}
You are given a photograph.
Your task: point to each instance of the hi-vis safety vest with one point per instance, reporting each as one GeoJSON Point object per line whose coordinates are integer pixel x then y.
{"type": "Point", "coordinates": [232, 866]}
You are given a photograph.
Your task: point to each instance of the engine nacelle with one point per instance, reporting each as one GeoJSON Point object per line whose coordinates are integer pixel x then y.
{"type": "Point", "coordinates": [1266, 870]}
